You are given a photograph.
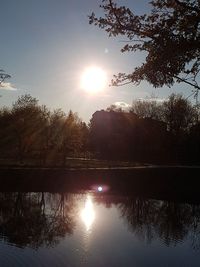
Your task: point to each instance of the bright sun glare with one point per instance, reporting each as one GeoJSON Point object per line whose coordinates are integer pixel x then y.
{"type": "Point", "coordinates": [93, 80]}
{"type": "Point", "coordinates": [87, 214]}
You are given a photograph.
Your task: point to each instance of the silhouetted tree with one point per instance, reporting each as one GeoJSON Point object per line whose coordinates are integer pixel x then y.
{"type": "Point", "coordinates": [169, 36]}
{"type": "Point", "coordinates": [115, 108]}
{"type": "Point", "coordinates": [30, 131]}
{"type": "Point", "coordinates": [27, 123]}
{"type": "Point", "coordinates": [111, 133]}
{"type": "Point", "coordinates": [147, 109]}
{"type": "Point", "coordinates": [84, 137]}
{"type": "Point", "coordinates": [122, 135]}
{"type": "Point", "coordinates": [68, 140]}
{"type": "Point", "coordinates": [192, 145]}
{"type": "Point", "coordinates": [179, 114]}
{"type": "Point", "coordinates": [3, 77]}
{"type": "Point", "coordinates": [6, 134]}
{"type": "Point", "coordinates": [57, 119]}
{"type": "Point", "coordinates": [152, 140]}
{"type": "Point", "coordinates": [150, 132]}
{"type": "Point", "coordinates": [42, 135]}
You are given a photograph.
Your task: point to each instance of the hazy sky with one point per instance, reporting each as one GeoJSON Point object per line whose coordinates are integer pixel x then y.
{"type": "Point", "coordinates": [45, 46]}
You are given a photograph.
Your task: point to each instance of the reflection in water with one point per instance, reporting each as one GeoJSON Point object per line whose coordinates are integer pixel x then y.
{"type": "Point", "coordinates": [172, 223]}
{"type": "Point", "coordinates": [148, 219]}
{"type": "Point", "coordinates": [88, 214]}
{"type": "Point", "coordinates": [43, 219]}
{"type": "Point", "coordinates": [36, 219]}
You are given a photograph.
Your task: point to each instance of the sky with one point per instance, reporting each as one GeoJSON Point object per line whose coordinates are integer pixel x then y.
{"type": "Point", "coordinates": [47, 44]}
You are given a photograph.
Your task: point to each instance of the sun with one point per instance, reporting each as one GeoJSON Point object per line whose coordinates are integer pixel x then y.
{"type": "Point", "coordinates": [93, 79]}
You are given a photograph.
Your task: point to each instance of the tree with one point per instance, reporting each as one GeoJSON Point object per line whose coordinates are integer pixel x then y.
{"type": "Point", "coordinates": [57, 120]}
{"type": "Point", "coordinates": [6, 134]}
{"type": "Point", "coordinates": [68, 134]}
{"type": "Point", "coordinates": [29, 122]}
{"type": "Point", "coordinates": [111, 134]}
{"type": "Point", "coordinates": [42, 132]}
{"type": "Point", "coordinates": [179, 114]}
{"type": "Point", "coordinates": [3, 77]}
{"type": "Point", "coordinates": [147, 109]}
{"type": "Point", "coordinates": [123, 135]}
{"type": "Point", "coordinates": [71, 140]}
{"type": "Point", "coordinates": [169, 36]}
{"type": "Point", "coordinates": [84, 138]}
{"type": "Point", "coordinates": [115, 108]}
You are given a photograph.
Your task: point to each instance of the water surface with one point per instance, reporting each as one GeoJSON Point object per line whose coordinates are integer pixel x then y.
{"type": "Point", "coordinates": [97, 229]}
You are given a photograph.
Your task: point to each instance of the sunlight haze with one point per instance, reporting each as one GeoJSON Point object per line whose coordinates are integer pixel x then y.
{"type": "Point", "coordinates": [46, 45]}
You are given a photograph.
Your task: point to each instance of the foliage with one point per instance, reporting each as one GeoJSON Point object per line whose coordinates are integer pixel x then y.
{"type": "Point", "coordinates": [159, 132]}
{"type": "Point", "coordinates": [28, 124]}
{"type": "Point", "coordinates": [29, 130]}
{"type": "Point", "coordinates": [70, 135]}
{"type": "Point", "coordinates": [169, 36]}
{"type": "Point", "coordinates": [122, 135]}
{"type": "Point", "coordinates": [179, 114]}
{"type": "Point", "coordinates": [152, 131]}
{"type": "Point", "coordinates": [147, 109]}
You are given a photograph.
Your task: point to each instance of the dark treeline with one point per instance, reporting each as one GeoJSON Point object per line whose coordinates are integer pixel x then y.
{"type": "Point", "coordinates": [151, 131]}
{"type": "Point", "coordinates": [29, 131]}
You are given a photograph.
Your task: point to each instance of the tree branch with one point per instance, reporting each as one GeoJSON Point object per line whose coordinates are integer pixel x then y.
{"type": "Point", "coordinates": [184, 5]}
{"type": "Point", "coordinates": [121, 84]}
{"type": "Point", "coordinates": [183, 80]}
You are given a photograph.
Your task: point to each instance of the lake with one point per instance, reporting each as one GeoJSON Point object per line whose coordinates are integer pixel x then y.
{"type": "Point", "coordinates": [97, 228]}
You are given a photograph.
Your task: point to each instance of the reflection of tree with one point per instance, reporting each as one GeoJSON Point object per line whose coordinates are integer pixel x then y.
{"type": "Point", "coordinates": [36, 219]}
{"type": "Point", "coordinates": [173, 223]}
{"type": "Point", "coordinates": [195, 233]}
{"type": "Point", "coordinates": [140, 216]}
{"type": "Point", "coordinates": [169, 221]}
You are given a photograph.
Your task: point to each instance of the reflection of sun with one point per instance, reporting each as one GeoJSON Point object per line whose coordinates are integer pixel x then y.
{"type": "Point", "coordinates": [87, 214]}
{"type": "Point", "coordinates": [93, 80]}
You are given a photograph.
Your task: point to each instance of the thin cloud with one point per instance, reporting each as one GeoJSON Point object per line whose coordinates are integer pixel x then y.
{"type": "Point", "coordinates": [149, 99]}
{"type": "Point", "coordinates": [7, 86]}
{"type": "Point", "coordinates": [122, 105]}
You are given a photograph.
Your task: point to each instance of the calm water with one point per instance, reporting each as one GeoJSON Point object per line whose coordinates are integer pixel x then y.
{"type": "Point", "coordinates": [93, 229]}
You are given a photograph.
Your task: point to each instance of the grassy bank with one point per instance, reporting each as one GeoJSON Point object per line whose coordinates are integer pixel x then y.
{"type": "Point", "coordinates": [70, 163]}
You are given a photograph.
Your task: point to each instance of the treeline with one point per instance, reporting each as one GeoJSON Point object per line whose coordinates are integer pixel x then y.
{"type": "Point", "coordinates": [31, 132]}
{"type": "Point", "coordinates": [158, 132]}
{"type": "Point", "coordinates": [165, 132]}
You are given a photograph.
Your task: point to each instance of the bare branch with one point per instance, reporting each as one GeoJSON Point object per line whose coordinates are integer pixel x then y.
{"type": "Point", "coordinates": [185, 81]}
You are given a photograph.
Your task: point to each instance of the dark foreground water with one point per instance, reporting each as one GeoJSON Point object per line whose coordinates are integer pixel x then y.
{"type": "Point", "coordinates": [96, 229]}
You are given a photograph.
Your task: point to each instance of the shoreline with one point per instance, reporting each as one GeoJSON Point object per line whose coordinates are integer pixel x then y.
{"type": "Point", "coordinates": [66, 168]}
{"type": "Point", "coordinates": [182, 182]}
